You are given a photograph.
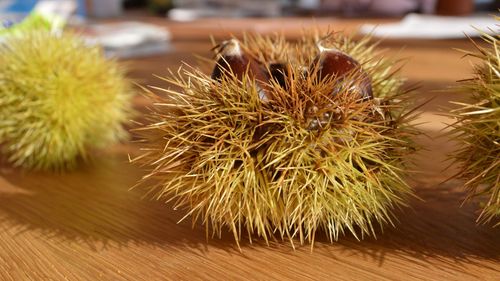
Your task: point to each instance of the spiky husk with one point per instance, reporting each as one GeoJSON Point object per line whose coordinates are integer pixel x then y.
{"type": "Point", "coordinates": [477, 129]}
{"type": "Point", "coordinates": [233, 160]}
{"type": "Point", "coordinates": [58, 99]}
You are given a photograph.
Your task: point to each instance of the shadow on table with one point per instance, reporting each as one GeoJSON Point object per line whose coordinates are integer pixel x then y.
{"type": "Point", "coordinates": [93, 206]}
{"type": "Point", "coordinates": [436, 227]}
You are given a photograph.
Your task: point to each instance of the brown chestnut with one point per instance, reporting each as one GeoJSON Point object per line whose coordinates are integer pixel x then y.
{"type": "Point", "coordinates": [232, 59]}
{"type": "Point", "coordinates": [332, 62]}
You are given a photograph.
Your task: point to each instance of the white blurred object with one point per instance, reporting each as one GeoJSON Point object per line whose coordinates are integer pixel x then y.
{"type": "Point", "coordinates": [401, 7]}
{"type": "Point", "coordinates": [308, 4]}
{"type": "Point", "coordinates": [129, 39]}
{"type": "Point", "coordinates": [61, 8]}
{"type": "Point", "coordinates": [191, 14]}
{"type": "Point", "coordinates": [378, 7]}
{"type": "Point", "coordinates": [394, 7]}
{"type": "Point", "coordinates": [188, 10]}
{"type": "Point", "coordinates": [57, 11]}
{"type": "Point", "coordinates": [433, 27]}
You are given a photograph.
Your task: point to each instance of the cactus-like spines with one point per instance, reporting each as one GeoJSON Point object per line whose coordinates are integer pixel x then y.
{"type": "Point", "coordinates": [299, 162]}
{"type": "Point", "coordinates": [477, 129]}
{"type": "Point", "coordinates": [58, 99]}
{"type": "Point", "coordinates": [280, 72]}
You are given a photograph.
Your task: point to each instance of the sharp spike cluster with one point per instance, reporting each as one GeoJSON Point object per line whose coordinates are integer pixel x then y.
{"type": "Point", "coordinates": [58, 99]}
{"type": "Point", "coordinates": [301, 161]}
{"type": "Point", "coordinates": [477, 130]}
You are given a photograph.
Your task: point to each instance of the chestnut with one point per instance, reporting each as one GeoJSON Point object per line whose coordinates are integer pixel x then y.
{"type": "Point", "coordinates": [232, 59]}
{"type": "Point", "coordinates": [332, 62]}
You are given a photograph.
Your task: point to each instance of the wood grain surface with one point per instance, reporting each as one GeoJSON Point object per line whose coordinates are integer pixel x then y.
{"type": "Point", "coordinates": [88, 225]}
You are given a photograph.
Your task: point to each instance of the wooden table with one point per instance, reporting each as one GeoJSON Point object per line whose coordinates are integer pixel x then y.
{"type": "Point", "coordinates": [87, 225]}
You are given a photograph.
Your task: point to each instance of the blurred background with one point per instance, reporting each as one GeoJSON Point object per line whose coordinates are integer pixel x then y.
{"type": "Point", "coordinates": [192, 9]}
{"type": "Point", "coordinates": [135, 28]}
